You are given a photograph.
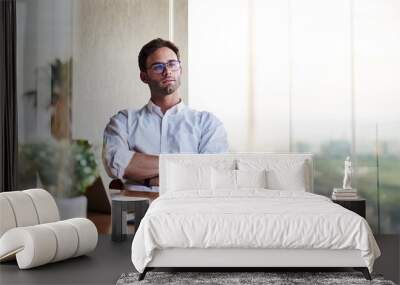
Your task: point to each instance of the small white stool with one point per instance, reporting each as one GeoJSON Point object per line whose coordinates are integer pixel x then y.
{"type": "Point", "coordinates": [121, 205]}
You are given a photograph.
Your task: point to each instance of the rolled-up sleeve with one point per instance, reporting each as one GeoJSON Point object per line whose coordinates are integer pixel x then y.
{"type": "Point", "coordinates": [213, 137]}
{"type": "Point", "coordinates": [116, 151]}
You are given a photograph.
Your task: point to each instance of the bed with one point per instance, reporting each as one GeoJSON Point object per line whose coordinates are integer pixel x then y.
{"type": "Point", "coordinates": [247, 210]}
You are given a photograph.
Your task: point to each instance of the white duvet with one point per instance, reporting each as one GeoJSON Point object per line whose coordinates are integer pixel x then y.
{"type": "Point", "coordinates": [250, 219]}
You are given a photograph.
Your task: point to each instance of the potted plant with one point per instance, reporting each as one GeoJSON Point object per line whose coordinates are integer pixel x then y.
{"type": "Point", "coordinates": [65, 169]}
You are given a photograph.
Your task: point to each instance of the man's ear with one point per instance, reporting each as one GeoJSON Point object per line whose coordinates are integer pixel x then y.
{"type": "Point", "coordinates": [144, 77]}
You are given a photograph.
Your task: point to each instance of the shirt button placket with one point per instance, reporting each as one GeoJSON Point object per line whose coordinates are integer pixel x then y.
{"type": "Point", "coordinates": [164, 130]}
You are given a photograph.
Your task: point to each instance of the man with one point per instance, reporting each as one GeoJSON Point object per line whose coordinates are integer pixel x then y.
{"type": "Point", "coordinates": [133, 139]}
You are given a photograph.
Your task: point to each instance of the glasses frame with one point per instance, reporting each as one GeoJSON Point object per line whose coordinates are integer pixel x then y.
{"type": "Point", "coordinates": [165, 66]}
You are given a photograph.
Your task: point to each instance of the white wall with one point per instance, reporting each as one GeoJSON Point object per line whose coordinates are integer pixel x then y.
{"type": "Point", "coordinates": [180, 38]}
{"type": "Point", "coordinates": [108, 37]}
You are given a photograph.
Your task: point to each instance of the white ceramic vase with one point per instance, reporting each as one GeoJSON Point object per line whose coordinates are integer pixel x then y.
{"type": "Point", "coordinates": [73, 207]}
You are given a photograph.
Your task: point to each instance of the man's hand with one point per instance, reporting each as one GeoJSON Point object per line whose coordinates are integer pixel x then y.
{"type": "Point", "coordinates": [142, 166]}
{"type": "Point", "coordinates": [154, 181]}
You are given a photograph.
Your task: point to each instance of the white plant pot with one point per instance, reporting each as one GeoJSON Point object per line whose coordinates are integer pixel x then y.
{"type": "Point", "coordinates": [72, 207]}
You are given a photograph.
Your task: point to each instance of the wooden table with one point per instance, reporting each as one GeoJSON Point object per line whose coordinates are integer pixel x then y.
{"type": "Point", "coordinates": [151, 195]}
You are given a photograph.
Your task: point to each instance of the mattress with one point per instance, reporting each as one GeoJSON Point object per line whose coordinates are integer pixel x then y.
{"type": "Point", "coordinates": [251, 219]}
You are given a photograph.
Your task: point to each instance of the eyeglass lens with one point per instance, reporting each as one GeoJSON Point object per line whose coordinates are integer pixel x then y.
{"type": "Point", "coordinates": [159, 67]}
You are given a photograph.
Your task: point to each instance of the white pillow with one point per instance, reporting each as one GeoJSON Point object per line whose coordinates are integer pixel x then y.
{"type": "Point", "coordinates": [282, 174]}
{"type": "Point", "coordinates": [287, 179]}
{"type": "Point", "coordinates": [223, 179]}
{"type": "Point", "coordinates": [227, 179]}
{"type": "Point", "coordinates": [182, 177]}
{"type": "Point", "coordinates": [251, 178]}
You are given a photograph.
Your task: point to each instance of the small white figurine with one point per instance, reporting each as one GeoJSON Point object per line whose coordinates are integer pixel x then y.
{"type": "Point", "coordinates": [348, 173]}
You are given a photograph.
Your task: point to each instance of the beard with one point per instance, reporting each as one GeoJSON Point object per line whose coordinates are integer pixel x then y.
{"type": "Point", "coordinates": [158, 88]}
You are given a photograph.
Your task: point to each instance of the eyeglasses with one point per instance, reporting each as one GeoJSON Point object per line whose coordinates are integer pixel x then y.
{"type": "Point", "coordinates": [159, 68]}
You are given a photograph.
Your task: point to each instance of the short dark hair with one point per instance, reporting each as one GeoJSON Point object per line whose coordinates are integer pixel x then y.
{"type": "Point", "coordinates": [151, 47]}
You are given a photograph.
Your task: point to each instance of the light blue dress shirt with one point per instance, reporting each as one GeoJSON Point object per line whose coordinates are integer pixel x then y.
{"type": "Point", "coordinates": [149, 131]}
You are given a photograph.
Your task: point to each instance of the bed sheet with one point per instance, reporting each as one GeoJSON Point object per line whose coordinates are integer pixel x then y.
{"type": "Point", "coordinates": [250, 218]}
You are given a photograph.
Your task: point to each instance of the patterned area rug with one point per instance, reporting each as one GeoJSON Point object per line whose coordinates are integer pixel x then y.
{"type": "Point", "coordinates": [229, 278]}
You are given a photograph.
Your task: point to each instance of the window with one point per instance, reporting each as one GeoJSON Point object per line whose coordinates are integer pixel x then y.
{"type": "Point", "coordinates": [306, 76]}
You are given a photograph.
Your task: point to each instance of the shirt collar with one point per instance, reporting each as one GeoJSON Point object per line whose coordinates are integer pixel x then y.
{"type": "Point", "coordinates": [173, 110]}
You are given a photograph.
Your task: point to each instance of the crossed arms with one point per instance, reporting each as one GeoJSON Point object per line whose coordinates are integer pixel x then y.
{"type": "Point", "coordinates": [123, 155]}
{"type": "Point", "coordinates": [141, 167]}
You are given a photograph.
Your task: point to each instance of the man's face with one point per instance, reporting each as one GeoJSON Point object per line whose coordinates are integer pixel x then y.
{"type": "Point", "coordinates": [166, 82]}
